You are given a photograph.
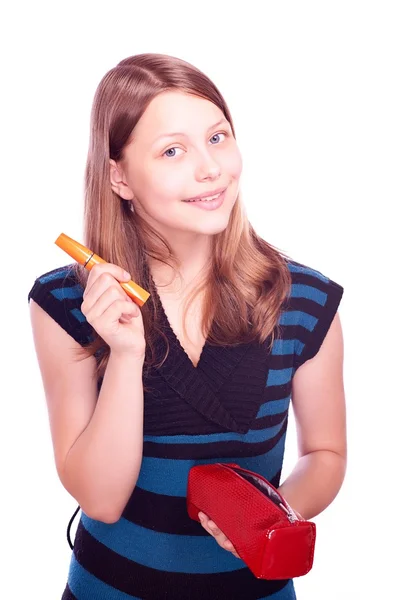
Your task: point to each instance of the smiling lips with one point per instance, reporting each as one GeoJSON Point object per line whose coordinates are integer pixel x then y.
{"type": "Point", "coordinates": [206, 197]}
{"type": "Point", "coordinates": [209, 202]}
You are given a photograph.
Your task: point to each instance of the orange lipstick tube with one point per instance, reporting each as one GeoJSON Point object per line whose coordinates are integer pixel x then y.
{"type": "Point", "coordinates": [88, 259]}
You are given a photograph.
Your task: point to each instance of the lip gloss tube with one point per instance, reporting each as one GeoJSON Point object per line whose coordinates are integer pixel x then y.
{"type": "Point", "coordinates": [88, 259]}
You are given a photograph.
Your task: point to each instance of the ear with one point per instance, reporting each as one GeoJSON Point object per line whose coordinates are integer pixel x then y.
{"type": "Point", "coordinates": [118, 181]}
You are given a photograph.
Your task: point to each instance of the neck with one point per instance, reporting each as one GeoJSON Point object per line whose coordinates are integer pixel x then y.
{"type": "Point", "coordinates": [193, 259]}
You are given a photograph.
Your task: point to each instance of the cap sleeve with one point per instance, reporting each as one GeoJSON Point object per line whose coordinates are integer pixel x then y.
{"type": "Point", "coordinates": [60, 295]}
{"type": "Point", "coordinates": [315, 300]}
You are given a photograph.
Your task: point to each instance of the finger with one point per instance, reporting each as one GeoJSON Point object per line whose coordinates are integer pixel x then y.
{"type": "Point", "coordinates": [229, 546]}
{"type": "Point", "coordinates": [203, 517]}
{"type": "Point", "coordinates": [120, 311]}
{"type": "Point", "coordinates": [105, 268]}
{"type": "Point", "coordinates": [101, 294]}
{"type": "Point", "coordinates": [214, 528]}
{"type": "Point", "coordinates": [100, 283]}
{"type": "Point", "coordinates": [127, 317]}
{"type": "Point", "coordinates": [111, 314]}
{"type": "Point", "coordinates": [221, 538]}
{"type": "Point", "coordinates": [103, 291]}
{"type": "Point", "coordinates": [217, 533]}
{"type": "Point", "coordinates": [210, 525]}
{"type": "Point", "coordinates": [204, 522]}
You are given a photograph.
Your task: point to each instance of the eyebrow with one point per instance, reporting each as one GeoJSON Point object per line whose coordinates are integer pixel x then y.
{"type": "Point", "coordinates": [175, 133]}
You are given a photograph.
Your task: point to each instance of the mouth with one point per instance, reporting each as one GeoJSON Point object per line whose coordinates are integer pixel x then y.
{"type": "Point", "coordinates": [208, 202]}
{"type": "Point", "coordinates": [207, 197]}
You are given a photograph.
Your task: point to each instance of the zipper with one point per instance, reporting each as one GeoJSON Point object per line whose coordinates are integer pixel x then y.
{"type": "Point", "coordinates": [267, 490]}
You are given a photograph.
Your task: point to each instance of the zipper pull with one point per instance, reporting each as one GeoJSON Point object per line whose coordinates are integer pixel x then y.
{"type": "Point", "coordinates": [290, 513]}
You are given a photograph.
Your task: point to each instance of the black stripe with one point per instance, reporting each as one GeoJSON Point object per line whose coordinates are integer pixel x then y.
{"type": "Point", "coordinates": [280, 361]}
{"type": "Point", "coordinates": [276, 479]}
{"type": "Point", "coordinates": [312, 281]}
{"type": "Point", "coordinates": [152, 584]}
{"type": "Point", "coordinates": [60, 311]}
{"type": "Point", "coordinates": [158, 512]}
{"type": "Point", "coordinates": [268, 421]}
{"type": "Point", "coordinates": [179, 416]}
{"type": "Point", "coordinates": [325, 317]}
{"type": "Point", "coordinates": [308, 306]}
{"type": "Point", "coordinates": [277, 392]}
{"type": "Point", "coordinates": [223, 449]}
{"type": "Point", "coordinates": [166, 514]}
{"type": "Point", "coordinates": [67, 595]}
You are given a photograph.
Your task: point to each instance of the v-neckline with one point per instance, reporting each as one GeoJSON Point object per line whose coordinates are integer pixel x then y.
{"type": "Point", "coordinates": [201, 386]}
{"type": "Point", "coordinates": [167, 325]}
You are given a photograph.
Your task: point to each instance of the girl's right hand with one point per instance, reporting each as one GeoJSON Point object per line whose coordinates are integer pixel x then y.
{"type": "Point", "coordinates": [111, 312]}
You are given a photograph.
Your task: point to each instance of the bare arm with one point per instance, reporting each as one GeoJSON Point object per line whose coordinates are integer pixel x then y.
{"type": "Point", "coordinates": [97, 438]}
{"type": "Point", "coordinates": [318, 400]}
{"type": "Point", "coordinates": [103, 464]}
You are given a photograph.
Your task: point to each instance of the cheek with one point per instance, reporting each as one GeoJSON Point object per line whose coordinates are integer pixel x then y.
{"type": "Point", "coordinates": [160, 184]}
{"type": "Point", "coordinates": [233, 164]}
{"type": "Point", "coordinates": [168, 183]}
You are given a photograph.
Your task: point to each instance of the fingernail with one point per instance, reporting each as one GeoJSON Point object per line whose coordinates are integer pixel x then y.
{"type": "Point", "coordinates": [126, 274]}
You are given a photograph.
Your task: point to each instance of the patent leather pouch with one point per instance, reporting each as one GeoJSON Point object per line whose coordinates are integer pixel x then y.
{"type": "Point", "coordinates": [272, 540]}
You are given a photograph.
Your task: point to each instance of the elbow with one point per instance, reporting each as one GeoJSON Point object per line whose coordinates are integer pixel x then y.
{"type": "Point", "coordinates": [91, 507]}
{"type": "Point", "coordinates": [109, 513]}
{"type": "Point", "coordinates": [108, 517]}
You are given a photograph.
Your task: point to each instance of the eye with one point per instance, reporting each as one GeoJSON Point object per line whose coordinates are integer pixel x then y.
{"type": "Point", "coordinates": [217, 135]}
{"type": "Point", "coordinates": [166, 153]}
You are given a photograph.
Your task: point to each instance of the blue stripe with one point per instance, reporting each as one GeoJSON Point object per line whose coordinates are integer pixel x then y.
{"type": "Point", "coordinates": [293, 317]}
{"type": "Point", "coordinates": [299, 346]}
{"type": "Point", "coordinates": [72, 292]}
{"type": "Point", "coordinates": [267, 464]}
{"type": "Point", "coordinates": [163, 551]}
{"type": "Point", "coordinates": [252, 436]}
{"type": "Point", "coordinates": [78, 315]}
{"type": "Point", "coordinates": [308, 271]}
{"type": "Point", "coordinates": [53, 276]}
{"type": "Point", "coordinates": [309, 292]}
{"type": "Point", "coordinates": [279, 376]}
{"type": "Point", "coordinates": [273, 407]}
{"type": "Point", "coordinates": [286, 347]}
{"type": "Point", "coordinates": [169, 476]}
{"type": "Point", "coordinates": [283, 347]}
{"type": "Point", "coordinates": [84, 585]}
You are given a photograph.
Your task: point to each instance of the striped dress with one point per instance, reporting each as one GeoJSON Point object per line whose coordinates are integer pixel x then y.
{"type": "Point", "coordinates": [232, 407]}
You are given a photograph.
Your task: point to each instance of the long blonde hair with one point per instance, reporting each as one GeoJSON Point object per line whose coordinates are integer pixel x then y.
{"type": "Point", "coordinates": [248, 280]}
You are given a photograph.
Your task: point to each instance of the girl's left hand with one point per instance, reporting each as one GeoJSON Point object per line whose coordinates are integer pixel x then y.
{"type": "Point", "coordinates": [219, 536]}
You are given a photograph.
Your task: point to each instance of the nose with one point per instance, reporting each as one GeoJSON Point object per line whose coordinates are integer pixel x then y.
{"type": "Point", "coordinates": [208, 168]}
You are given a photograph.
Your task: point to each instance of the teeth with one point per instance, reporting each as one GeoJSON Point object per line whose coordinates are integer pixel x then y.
{"type": "Point", "coordinates": [205, 199]}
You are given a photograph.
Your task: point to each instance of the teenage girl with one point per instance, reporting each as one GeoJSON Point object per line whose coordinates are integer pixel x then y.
{"type": "Point", "coordinates": [233, 332]}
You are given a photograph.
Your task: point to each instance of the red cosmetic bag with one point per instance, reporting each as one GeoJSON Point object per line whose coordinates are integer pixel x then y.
{"type": "Point", "coordinates": [267, 534]}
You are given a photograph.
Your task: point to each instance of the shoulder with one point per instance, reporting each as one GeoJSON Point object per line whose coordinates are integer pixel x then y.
{"type": "Point", "coordinates": [313, 301]}
{"type": "Point", "coordinates": [60, 278]}
{"type": "Point", "coordinates": [60, 294]}
{"type": "Point", "coordinates": [310, 283]}
{"type": "Point", "coordinates": [59, 284]}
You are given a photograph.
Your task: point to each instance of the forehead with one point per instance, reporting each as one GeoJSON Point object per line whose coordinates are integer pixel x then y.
{"type": "Point", "coordinates": [176, 111]}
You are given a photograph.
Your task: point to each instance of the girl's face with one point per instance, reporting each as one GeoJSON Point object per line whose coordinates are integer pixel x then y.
{"type": "Point", "coordinates": [182, 147]}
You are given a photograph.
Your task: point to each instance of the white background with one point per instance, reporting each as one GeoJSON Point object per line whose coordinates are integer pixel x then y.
{"type": "Point", "coordinates": [313, 90]}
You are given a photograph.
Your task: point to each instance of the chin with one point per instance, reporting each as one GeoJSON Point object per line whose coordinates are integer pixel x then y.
{"type": "Point", "coordinates": [210, 228]}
